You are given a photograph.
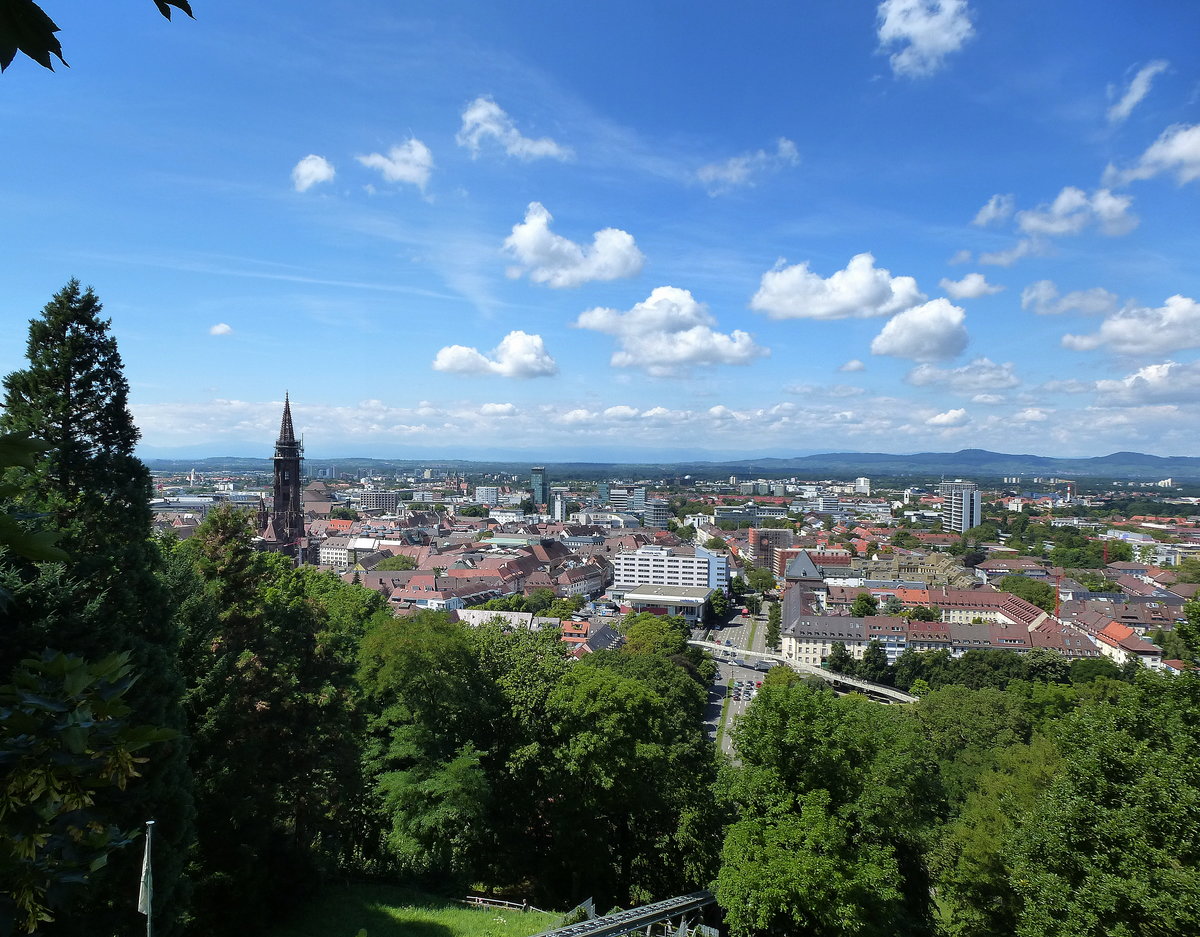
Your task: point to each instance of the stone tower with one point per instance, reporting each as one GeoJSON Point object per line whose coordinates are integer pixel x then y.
{"type": "Point", "coordinates": [285, 527]}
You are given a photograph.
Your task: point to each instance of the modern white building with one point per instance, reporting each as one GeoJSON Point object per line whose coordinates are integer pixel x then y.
{"type": "Point", "coordinates": [862, 485]}
{"type": "Point", "coordinates": [485, 494]}
{"type": "Point", "coordinates": [669, 566]}
{"type": "Point", "coordinates": [962, 505]}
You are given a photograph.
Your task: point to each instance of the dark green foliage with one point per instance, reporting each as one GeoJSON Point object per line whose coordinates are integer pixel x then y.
{"type": "Point", "coordinates": [864, 606]}
{"type": "Point", "coordinates": [975, 669]}
{"type": "Point", "coordinates": [1113, 846]}
{"type": "Point", "coordinates": [271, 712]}
{"type": "Point", "coordinates": [874, 664]}
{"type": "Point", "coordinates": [398, 562]}
{"type": "Point", "coordinates": [718, 606]}
{"type": "Point", "coordinates": [760, 579]}
{"type": "Point", "coordinates": [1040, 594]}
{"type": "Point", "coordinates": [65, 736]}
{"type": "Point", "coordinates": [1087, 669]}
{"type": "Point", "coordinates": [774, 623]}
{"type": "Point", "coordinates": [924, 613]}
{"type": "Point", "coordinates": [833, 800]}
{"type": "Point", "coordinates": [88, 487]}
{"type": "Point", "coordinates": [633, 770]}
{"type": "Point", "coordinates": [840, 660]}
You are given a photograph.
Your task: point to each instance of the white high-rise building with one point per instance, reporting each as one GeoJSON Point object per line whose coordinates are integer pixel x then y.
{"type": "Point", "coordinates": [962, 506]}
{"type": "Point", "coordinates": [670, 566]}
{"type": "Point", "coordinates": [486, 495]}
{"type": "Point", "coordinates": [862, 485]}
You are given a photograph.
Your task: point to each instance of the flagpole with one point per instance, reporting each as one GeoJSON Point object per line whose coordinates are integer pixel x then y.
{"type": "Point", "coordinates": [146, 893]}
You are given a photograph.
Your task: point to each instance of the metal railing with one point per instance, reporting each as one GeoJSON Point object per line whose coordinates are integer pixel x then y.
{"type": "Point", "coordinates": [635, 919]}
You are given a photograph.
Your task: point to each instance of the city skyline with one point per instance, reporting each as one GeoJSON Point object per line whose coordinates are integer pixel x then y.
{"type": "Point", "coordinates": [917, 225]}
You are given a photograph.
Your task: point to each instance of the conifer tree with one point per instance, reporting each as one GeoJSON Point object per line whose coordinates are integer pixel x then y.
{"type": "Point", "coordinates": [272, 726]}
{"type": "Point", "coordinates": [92, 490]}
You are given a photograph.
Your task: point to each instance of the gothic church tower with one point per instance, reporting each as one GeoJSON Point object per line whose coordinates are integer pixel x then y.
{"type": "Point", "coordinates": [285, 528]}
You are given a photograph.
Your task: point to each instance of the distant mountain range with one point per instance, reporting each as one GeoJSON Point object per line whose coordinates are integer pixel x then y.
{"type": "Point", "coordinates": [970, 463]}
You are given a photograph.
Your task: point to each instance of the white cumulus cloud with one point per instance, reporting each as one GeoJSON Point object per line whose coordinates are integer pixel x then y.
{"type": "Point", "coordinates": [1168, 382]}
{"type": "Point", "coordinates": [933, 331]}
{"type": "Point", "coordinates": [949, 418]}
{"type": "Point", "coordinates": [220, 329]}
{"type": "Point", "coordinates": [853, 365]}
{"type": "Point", "coordinates": [860, 290]}
{"type": "Point", "coordinates": [980, 375]}
{"type": "Point", "coordinates": [668, 333]}
{"type": "Point", "coordinates": [310, 171]}
{"type": "Point", "coordinates": [1138, 88]}
{"type": "Point", "coordinates": [745, 169]}
{"type": "Point", "coordinates": [1073, 211]}
{"type": "Point", "coordinates": [1141, 330]}
{"type": "Point", "coordinates": [1043, 298]}
{"type": "Point", "coordinates": [1176, 150]}
{"type": "Point", "coordinates": [998, 208]}
{"type": "Point", "coordinates": [559, 262]}
{"type": "Point", "coordinates": [972, 286]}
{"type": "Point", "coordinates": [498, 409]}
{"type": "Point", "coordinates": [485, 119]}
{"type": "Point", "coordinates": [410, 161]}
{"type": "Point", "coordinates": [926, 31]}
{"type": "Point", "coordinates": [519, 355]}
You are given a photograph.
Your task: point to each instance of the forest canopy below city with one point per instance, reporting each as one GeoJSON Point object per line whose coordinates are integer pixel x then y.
{"type": "Point", "coordinates": [285, 730]}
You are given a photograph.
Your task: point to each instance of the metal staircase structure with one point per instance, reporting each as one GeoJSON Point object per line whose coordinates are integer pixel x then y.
{"type": "Point", "coordinates": [635, 920]}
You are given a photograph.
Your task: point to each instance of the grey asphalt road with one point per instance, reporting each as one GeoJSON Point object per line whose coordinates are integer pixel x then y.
{"type": "Point", "coordinates": [737, 632]}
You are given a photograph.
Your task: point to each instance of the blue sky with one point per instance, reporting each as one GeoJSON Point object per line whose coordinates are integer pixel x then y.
{"type": "Point", "coordinates": [624, 229]}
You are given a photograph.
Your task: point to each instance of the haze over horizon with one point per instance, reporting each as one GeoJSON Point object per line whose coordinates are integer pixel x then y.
{"type": "Point", "coordinates": [918, 225]}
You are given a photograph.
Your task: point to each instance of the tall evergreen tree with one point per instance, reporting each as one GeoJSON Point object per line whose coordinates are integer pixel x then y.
{"type": "Point", "coordinates": [271, 721]}
{"type": "Point", "coordinates": [91, 488]}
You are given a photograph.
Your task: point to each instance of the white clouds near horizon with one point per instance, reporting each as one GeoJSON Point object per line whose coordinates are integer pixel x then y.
{"type": "Point", "coordinates": [1167, 382]}
{"type": "Point", "coordinates": [559, 262]}
{"type": "Point", "coordinates": [669, 333]}
{"type": "Point", "coordinates": [860, 290]}
{"type": "Point", "coordinates": [957, 417]}
{"type": "Point", "coordinates": [484, 119]}
{"type": "Point", "coordinates": [744, 170]}
{"type": "Point", "coordinates": [1135, 91]}
{"type": "Point", "coordinates": [310, 171]}
{"type": "Point", "coordinates": [410, 162]}
{"type": "Point", "coordinates": [978, 376]}
{"type": "Point", "coordinates": [519, 355]}
{"type": "Point", "coordinates": [933, 331]}
{"type": "Point", "coordinates": [926, 30]}
{"type": "Point", "coordinates": [1142, 330]}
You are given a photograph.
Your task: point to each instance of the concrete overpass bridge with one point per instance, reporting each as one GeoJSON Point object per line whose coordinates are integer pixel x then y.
{"type": "Point", "coordinates": [876, 690]}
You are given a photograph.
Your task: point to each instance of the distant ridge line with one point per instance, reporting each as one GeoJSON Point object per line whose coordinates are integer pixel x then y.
{"type": "Point", "coordinates": [974, 462]}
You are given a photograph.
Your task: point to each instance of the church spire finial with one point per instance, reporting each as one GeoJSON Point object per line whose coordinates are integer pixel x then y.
{"type": "Point", "coordinates": [286, 432]}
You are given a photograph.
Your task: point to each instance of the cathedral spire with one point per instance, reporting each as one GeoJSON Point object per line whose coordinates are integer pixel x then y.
{"type": "Point", "coordinates": [286, 433]}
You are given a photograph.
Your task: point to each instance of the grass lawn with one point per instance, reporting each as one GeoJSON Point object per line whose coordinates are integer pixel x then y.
{"type": "Point", "coordinates": [395, 911]}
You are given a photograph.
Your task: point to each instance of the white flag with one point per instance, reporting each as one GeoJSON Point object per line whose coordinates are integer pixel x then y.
{"type": "Point", "coordinates": [146, 894]}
